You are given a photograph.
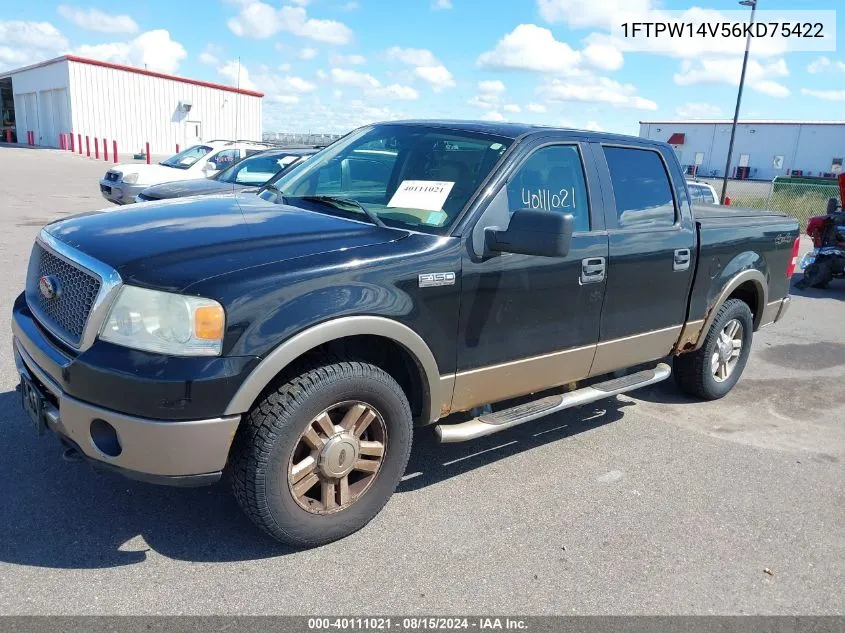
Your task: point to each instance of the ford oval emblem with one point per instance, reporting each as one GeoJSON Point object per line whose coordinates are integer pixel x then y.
{"type": "Point", "coordinates": [49, 286]}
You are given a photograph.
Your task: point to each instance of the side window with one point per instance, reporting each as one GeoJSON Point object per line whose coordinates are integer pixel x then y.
{"type": "Point", "coordinates": [641, 188]}
{"type": "Point", "coordinates": [226, 158]}
{"type": "Point", "coordinates": [696, 194]}
{"type": "Point", "coordinates": [552, 178]}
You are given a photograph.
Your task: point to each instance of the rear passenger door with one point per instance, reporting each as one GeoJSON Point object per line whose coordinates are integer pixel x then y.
{"type": "Point", "coordinates": [651, 255]}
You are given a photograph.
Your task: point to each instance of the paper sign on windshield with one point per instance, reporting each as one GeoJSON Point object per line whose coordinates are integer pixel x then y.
{"type": "Point", "coordinates": [428, 195]}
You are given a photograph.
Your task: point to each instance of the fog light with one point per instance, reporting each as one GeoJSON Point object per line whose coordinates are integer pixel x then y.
{"type": "Point", "coordinates": [105, 438]}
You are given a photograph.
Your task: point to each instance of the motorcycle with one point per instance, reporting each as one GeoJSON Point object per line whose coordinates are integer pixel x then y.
{"type": "Point", "coordinates": [827, 259]}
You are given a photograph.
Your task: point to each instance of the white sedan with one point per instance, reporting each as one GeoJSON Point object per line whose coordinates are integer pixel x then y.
{"type": "Point", "coordinates": [123, 182]}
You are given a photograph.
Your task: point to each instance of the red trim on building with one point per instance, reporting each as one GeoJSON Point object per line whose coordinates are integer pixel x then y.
{"type": "Point", "coordinates": [138, 71]}
{"type": "Point", "coordinates": [677, 139]}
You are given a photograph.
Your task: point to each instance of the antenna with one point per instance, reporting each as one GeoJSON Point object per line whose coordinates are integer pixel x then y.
{"type": "Point", "coordinates": [238, 97]}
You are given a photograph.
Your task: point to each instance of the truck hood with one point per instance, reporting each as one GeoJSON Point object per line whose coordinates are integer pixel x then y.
{"type": "Point", "coordinates": [171, 244]}
{"type": "Point", "coordinates": [155, 174]}
{"type": "Point", "coordinates": [184, 188]}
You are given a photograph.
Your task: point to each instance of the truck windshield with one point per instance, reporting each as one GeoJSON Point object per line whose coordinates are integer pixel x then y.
{"type": "Point", "coordinates": [406, 175]}
{"type": "Point", "coordinates": [186, 158]}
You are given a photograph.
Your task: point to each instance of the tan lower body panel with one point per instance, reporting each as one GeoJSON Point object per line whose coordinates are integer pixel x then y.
{"type": "Point", "coordinates": [152, 447]}
{"type": "Point", "coordinates": [475, 387]}
{"type": "Point", "coordinates": [632, 350]}
{"type": "Point", "coordinates": [774, 312]}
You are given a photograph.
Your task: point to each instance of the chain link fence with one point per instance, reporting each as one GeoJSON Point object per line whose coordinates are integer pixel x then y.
{"type": "Point", "coordinates": [796, 197]}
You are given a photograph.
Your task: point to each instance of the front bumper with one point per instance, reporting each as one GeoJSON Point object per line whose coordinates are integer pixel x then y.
{"type": "Point", "coordinates": [165, 428]}
{"type": "Point", "coordinates": [120, 192]}
{"type": "Point", "coordinates": [149, 450]}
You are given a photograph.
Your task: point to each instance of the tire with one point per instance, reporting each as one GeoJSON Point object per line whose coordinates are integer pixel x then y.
{"type": "Point", "coordinates": [694, 372]}
{"type": "Point", "coordinates": [818, 275]}
{"type": "Point", "coordinates": [271, 444]}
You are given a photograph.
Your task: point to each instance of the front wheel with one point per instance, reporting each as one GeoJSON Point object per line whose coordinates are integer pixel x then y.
{"type": "Point", "coordinates": [711, 371]}
{"type": "Point", "coordinates": [317, 458]}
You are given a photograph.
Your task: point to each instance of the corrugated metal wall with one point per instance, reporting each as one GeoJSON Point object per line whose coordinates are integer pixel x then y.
{"type": "Point", "coordinates": [134, 109]}
{"type": "Point", "coordinates": [771, 149]}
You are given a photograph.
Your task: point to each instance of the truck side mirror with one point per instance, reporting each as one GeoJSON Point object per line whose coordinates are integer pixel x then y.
{"type": "Point", "coordinates": [832, 206]}
{"type": "Point", "coordinates": [533, 232]}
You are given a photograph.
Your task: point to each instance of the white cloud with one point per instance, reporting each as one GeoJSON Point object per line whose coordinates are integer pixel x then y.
{"type": "Point", "coordinates": [595, 90]}
{"type": "Point", "coordinates": [302, 3]}
{"type": "Point", "coordinates": [346, 60]}
{"type": "Point", "coordinates": [491, 87]}
{"type": "Point", "coordinates": [698, 111]}
{"type": "Point", "coordinates": [583, 13]}
{"type": "Point", "coordinates": [92, 19]}
{"type": "Point", "coordinates": [237, 75]}
{"type": "Point", "coordinates": [537, 108]}
{"type": "Point", "coordinates": [530, 47]}
{"type": "Point", "coordinates": [827, 95]}
{"type": "Point", "coordinates": [594, 126]}
{"type": "Point", "coordinates": [23, 43]}
{"type": "Point", "coordinates": [427, 66]}
{"type": "Point", "coordinates": [493, 116]}
{"type": "Point", "coordinates": [512, 107]}
{"type": "Point", "coordinates": [604, 56]}
{"type": "Point", "coordinates": [438, 77]}
{"type": "Point", "coordinates": [412, 56]}
{"type": "Point", "coordinates": [404, 93]}
{"type": "Point", "coordinates": [824, 63]}
{"type": "Point", "coordinates": [260, 21]}
{"type": "Point", "coordinates": [441, 5]}
{"type": "Point", "coordinates": [286, 99]}
{"type": "Point", "coordinates": [758, 76]}
{"type": "Point", "coordinates": [154, 50]}
{"type": "Point", "coordinates": [307, 53]}
{"type": "Point", "coordinates": [345, 77]}
{"type": "Point", "coordinates": [485, 102]}
{"type": "Point", "coordinates": [210, 55]}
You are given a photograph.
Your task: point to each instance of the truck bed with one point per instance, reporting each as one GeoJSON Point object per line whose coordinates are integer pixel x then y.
{"type": "Point", "coordinates": [710, 211]}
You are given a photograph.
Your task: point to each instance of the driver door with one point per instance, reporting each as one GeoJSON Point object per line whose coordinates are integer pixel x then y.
{"type": "Point", "coordinates": [530, 322]}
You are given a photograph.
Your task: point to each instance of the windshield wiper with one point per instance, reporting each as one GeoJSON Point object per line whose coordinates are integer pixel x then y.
{"type": "Point", "coordinates": [336, 201]}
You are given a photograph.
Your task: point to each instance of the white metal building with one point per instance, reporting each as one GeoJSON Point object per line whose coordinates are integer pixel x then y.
{"type": "Point", "coordinates": [762, 149]}
{"type": "Point", "coordinates": [133, 106]}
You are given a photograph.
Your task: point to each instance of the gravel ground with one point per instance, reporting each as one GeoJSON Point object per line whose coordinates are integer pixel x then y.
{"type": "Point", "coordinates": [650, 504]}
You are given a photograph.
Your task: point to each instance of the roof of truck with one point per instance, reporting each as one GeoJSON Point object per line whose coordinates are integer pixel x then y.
{"type": "Point", "coordinates": [514, 130]}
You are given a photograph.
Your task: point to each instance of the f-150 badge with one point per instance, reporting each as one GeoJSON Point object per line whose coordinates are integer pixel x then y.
{"type": "Point", "coordinates": [428, 280]}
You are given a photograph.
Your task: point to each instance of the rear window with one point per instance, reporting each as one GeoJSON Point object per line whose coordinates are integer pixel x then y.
{"type": "Point", "coordinates": [641, 188]}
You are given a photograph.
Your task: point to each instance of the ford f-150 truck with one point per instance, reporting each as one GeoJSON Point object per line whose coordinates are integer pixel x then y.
{"type": "Point", "coordinates": [411, 273]}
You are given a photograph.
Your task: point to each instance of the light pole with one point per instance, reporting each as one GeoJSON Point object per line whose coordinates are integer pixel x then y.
{"type": "Point", "coordinates": [753, 5]}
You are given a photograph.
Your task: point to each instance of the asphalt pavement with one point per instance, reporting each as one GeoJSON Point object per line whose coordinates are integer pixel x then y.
{"type": "Point", "coordinates": [650, 504]}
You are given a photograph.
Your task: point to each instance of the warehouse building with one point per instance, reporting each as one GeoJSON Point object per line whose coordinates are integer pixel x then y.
{"type": "Point", "coordinates": [61, 101]}
{"type": "Point", "coordinates": [762, 149]}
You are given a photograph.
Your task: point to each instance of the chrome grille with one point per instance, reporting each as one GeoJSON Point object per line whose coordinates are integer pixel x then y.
{"type": "Point", "coordinates": [67, 313]}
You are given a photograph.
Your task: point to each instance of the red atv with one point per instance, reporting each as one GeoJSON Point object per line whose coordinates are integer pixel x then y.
{"type": "Point", "coordinates": [827, 259]}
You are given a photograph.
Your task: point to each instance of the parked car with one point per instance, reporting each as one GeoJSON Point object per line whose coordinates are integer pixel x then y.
{"type": "Point", "coordinates": [250, 172]}
{"type": "Point", "coordinates": [407, 272]}
{"type": "Point", "coordinates": [122, 183]}
{"type": "Point", "coordinates": [701, 193]}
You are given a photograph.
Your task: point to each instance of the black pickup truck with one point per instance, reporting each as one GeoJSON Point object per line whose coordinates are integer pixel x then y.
{"type": "Point", "coordinates": [411, 273]}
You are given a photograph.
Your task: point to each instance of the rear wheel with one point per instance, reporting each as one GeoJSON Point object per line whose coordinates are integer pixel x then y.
{"type": "Point", "coordinates": [711, 371]}
{"type": "Point", "coordinates": [317, 458]}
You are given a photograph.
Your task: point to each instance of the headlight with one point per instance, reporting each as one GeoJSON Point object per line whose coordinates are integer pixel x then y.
{"type": "Point", "coordinates": [165, 322]}
{"type": "Point", "coordinates": [130, 179]}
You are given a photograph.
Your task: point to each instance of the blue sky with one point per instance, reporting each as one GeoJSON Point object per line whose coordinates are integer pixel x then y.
{"type": "Point", "coordinates": [328, 65]}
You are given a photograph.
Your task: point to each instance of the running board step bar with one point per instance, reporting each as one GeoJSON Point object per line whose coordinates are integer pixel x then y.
{"type": "Point", "coordinates": [490, 423]}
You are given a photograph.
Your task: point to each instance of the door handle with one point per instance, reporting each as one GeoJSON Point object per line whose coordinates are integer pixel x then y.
{"type": "Point", "coordinates": [592, 270]}
{"type": "Point", "coordinates": [681, 260]}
